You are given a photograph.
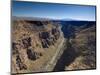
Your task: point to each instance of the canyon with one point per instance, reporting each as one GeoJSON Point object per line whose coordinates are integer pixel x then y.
{"type": "Point", "coordinates": [52, 45]}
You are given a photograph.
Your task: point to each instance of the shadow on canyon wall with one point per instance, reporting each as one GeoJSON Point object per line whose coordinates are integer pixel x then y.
{"type": "Point", "coordinates": [69, 53]}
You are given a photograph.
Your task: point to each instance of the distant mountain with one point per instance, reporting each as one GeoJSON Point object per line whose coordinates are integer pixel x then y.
{"type": "Point", "coordinates": [41, 19]}
{"type": "Point", "coordinates": [30, 18]}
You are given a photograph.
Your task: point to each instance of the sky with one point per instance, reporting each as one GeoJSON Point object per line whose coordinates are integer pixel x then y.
{"type": "Point", "coordinates": [53, 10]}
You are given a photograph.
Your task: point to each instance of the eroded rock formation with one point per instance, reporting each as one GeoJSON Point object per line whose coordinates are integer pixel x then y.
{"type": "Point", "coordinates": [31, 40]}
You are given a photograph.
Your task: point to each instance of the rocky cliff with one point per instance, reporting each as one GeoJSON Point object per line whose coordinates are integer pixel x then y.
{"type": "Point", "coordinates": [34, 43]}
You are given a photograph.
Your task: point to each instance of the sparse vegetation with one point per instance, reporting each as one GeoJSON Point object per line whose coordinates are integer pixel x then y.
{"type": "Point", "coordinates": [35, 44]}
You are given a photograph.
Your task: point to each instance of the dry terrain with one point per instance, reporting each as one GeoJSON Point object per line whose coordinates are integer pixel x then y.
{"type": "Point", "coordinates": [34, 43]}
{"type": "Point", "coordinates": [47, 45]}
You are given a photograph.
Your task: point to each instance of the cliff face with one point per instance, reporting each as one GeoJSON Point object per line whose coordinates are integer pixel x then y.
{"type": "Point", "coordinates": [33, 44]}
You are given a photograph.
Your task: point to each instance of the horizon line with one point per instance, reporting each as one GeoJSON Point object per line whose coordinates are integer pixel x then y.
{"type": "Point", "coordinates": [69, 19]}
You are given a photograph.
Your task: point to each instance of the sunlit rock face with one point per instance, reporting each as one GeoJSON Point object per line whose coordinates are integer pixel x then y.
{"type": "Point", "coordinates": [33, 44]}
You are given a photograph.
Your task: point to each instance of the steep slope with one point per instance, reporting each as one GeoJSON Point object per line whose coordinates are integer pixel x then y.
{"type": "Point", "coordinates": [85, 44]}
{"type": "Point", "coordinates": [34, 43]}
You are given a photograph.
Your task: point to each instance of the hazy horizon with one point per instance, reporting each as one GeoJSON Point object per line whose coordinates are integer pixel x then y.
{"type": "Point", "coordinates": [53, 11]}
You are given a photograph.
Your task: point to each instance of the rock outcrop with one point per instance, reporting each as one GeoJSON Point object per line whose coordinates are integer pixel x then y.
{"type": "Point", "coordinates": [33, 44]}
